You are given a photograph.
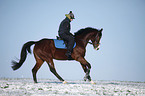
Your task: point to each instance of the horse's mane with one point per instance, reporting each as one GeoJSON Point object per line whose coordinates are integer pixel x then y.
{"type": "Point", "coordinates": [85, 31]}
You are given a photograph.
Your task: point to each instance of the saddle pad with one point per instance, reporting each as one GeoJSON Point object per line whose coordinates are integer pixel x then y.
{"type": "Point", "coordinates": [60, 44]}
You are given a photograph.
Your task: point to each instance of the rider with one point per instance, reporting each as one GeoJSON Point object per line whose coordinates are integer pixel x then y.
{"type": "Point", "coordinates": [64, 33]}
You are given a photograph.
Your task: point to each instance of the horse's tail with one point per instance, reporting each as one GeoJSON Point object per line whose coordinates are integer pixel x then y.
{"type": "Point", "coordinates": [25, 48]}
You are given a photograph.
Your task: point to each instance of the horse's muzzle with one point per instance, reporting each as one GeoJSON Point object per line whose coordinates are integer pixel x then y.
{"type": "Point", "coordinates": [97, 48]}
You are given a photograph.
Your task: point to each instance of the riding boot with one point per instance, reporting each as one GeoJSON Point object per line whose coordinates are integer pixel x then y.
{"type": "Point", "coordinates": [68, 54]}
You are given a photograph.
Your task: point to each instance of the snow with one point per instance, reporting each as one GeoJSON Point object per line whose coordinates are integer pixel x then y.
{"type": "Point", "coordinates": [46, 87]}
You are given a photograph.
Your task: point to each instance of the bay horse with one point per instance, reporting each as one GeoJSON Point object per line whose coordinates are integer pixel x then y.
{"type": "Point", "coordinates": [45, 50]}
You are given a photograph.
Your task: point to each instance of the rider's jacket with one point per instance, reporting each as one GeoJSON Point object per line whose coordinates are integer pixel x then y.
{"type": "Point", "coordinates": [64, 26]}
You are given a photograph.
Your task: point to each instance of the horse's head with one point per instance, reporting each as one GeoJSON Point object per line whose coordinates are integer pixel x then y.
{"type": "Point", "coordinates": [90, 34]}
{"type": "Point", "coordinates": [96, 39]}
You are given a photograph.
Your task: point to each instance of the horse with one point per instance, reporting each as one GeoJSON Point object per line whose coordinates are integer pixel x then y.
{"type": "Point", "coordinates": [45, 50]}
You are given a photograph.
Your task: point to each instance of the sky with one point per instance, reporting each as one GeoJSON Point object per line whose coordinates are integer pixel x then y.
{"type": "Point", "coordinates": [122, 51]}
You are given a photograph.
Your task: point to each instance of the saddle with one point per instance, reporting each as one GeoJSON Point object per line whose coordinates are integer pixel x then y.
{"type": "Point", "coordinates": [61, 44]}
{"type": "Point", "coordinates": [65, 42]}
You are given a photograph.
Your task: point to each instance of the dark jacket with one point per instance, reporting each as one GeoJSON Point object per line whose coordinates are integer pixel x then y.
{"type": "Point", "coordinates": [64, 26]}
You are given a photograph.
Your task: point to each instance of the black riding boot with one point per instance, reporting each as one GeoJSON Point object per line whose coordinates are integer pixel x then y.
{"type": "Point", "coordinates": [68, 54]}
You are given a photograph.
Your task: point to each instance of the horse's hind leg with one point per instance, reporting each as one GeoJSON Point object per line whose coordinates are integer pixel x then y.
{"type": "Point", "coordinates": [52, 69]}
{"type": "Point", "coordinates": [39, 62]}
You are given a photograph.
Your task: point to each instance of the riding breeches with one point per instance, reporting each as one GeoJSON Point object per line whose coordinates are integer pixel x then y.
{"type": "Point", "coordinates": [69, 39]}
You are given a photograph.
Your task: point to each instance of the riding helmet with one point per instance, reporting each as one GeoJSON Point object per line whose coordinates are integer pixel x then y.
{"type": "Point", "coordinates": [71, 15]}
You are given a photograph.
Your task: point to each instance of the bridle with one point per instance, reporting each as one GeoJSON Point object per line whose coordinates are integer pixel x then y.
{"type": "Point", "coordinates": [95, 40]}
{"type": "Point", "coordinates": [91, 42]}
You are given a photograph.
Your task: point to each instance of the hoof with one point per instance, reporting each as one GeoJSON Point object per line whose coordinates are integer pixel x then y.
{"type": "Point", "coordinates": [35, 82]}
{"type": "Point", "coordinates": [92, 82]}
{"type": "Point", "coordinates": [64, 82]}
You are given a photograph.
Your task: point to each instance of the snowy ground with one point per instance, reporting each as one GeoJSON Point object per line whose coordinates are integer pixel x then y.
{"type": "Point", "coordinates": [26, 87]}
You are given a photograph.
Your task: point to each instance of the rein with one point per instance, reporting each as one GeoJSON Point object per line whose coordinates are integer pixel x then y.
{"type": "Point", "coordinates": [86, 41]}
{"type": "Point", "coordinates": [90, 43]}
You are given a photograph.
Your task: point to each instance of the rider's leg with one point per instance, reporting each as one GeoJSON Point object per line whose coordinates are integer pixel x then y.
{"type": "Point", "coordinates": [70, 47]}
{"type": "Point", "coordinates": [70, 40]}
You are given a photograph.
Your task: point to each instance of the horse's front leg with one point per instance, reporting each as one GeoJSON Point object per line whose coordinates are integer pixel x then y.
{"type": "Point", "coordinates": [87, 76]}
{"type": "Point", "coordinates": [86, 67]}
{"type": "Point", "coordinates": [87, 71]}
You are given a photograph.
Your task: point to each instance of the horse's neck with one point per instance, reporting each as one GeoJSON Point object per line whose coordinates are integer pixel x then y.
{"type": "Point", "coordinates": [85, 39]}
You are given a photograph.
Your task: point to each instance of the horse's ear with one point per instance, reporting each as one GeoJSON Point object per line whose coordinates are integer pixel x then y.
{"type": "Point", "coordinates": [101, 30]}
